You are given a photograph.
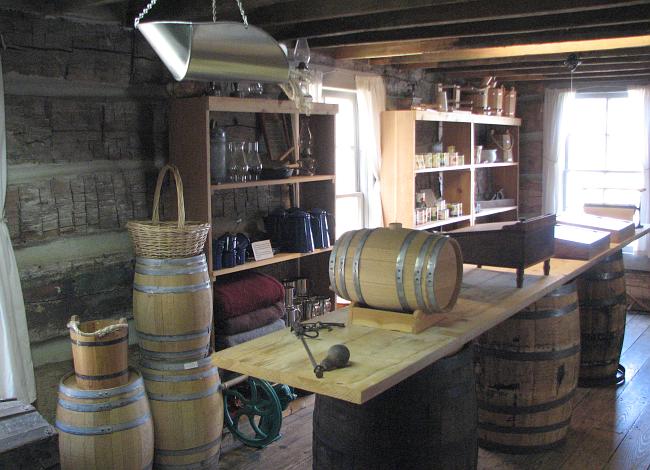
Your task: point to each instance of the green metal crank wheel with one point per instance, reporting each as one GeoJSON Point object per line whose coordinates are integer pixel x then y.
{"type": "Point", "coordinates": [253, 413]}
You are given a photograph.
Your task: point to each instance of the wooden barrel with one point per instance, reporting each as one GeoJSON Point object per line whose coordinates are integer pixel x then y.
{"type": "Point", "coordinates": [397, 269]}
{"type": "Point", "coordinates": [100, 352]}
{"type": "Point", "coordinates": [602, 297]}
{"type": "Point", "coordinates": [187, 409]}
{"type": "Point", "coordinates": [527, 373]}
{"type": "Point", "coordinates": [427, 421]}
{"type": "Point", "coordinates": [172, 306]}
{"type": "Point", "coordinates": [101, 429]}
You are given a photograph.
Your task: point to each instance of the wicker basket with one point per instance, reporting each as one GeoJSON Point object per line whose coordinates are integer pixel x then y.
{"type": "Point", "coordinates": [156, 239]}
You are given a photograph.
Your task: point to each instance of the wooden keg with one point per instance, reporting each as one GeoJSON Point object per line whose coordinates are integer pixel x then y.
{"type": "Point", "coordinates": [187, 409]}
{"type": "Point", "coordinates": [100, 429]}
{"type": "Point", "coordinates": [602, 297]}
{"type": "Point", "coordinates": [172, 306]}
{"type": "Point", "coordinates": [427, 421]}
{"type": "Point", "coordinates": [100, 352]}
{"type": "Point", "coordinates": [397, 269]}
{"type": "Point", "coordinates": [527, 373]}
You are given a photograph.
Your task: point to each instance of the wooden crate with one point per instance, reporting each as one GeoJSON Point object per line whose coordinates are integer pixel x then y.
{"type": "Point", "coordinates": [27, 441]}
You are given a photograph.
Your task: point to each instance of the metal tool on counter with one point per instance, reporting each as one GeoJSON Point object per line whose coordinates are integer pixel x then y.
{"type": "Point", "coordinates": [338, 356]}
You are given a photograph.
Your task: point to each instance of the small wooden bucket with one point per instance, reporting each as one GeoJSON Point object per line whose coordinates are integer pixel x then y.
{"type": "Point", "coordinates": [100, 352]}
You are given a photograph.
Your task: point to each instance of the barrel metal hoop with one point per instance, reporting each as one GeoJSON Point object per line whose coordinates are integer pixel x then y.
{"type": "Point", "coordinates": [93, 344]}
{"type": "Point", "coordinates": [355, 265]}
{"type": "Point", "coordinates": [102, 377]}
{"type": "Point", "coordinates": [165, 338]}
{"type": "Point", "coordinates": [609, 276]}
{"type": "Point", "coordinates": [331, 269]}
{"type": "Point", "coordinates": [181, 378]}
{"type": "Point", "coordinates": [100, 430]}
{"type": "Point", "coordinates": [524, 430]}
{"type": "Point", "coordinates": [431, 301]}
{"type": "Point", "coordinates": [190, 396]}
{"type": "Point", "coordinates": [620, 299]}
{"type": "Point", "coordinates": [399, 268]}
{"type": "Point", "coordinates": [92, 394]}
{"type": "Point", "coordinates": [542, 314]}
{"type": "Point", "coordinates": [158, 365]}
{"type": "Point", "coordinates": [340, 269]}
{"type": "Point", "coordinates": [193, 450]}
{"type": "Point", "coordinates": [568, 288]}
{"type": "Point", "coordinates": [203, 465]}
{"type": "Point", "coordinates": [177, 356]}
{"type": "Point", "coordinates": [171, 290]}
{"type": "Point", "coordinates": [203, 268]}
{"type": "Point", "coordinates": [198, 259]}
{"type": "Point", "coordinates": [417, 272]}
{"type": "Point", "coordinates": [96, 407]}
{"type": "Point", "coordinates": [519, 410]}
{"type": "Point", "coordinates": [598, 363]}
{"type": "Point", "coordinates": [528, 356]}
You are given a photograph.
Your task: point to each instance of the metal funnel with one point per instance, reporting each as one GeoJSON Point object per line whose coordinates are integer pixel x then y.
{"type": "Point", "coordinates": [224, 50]}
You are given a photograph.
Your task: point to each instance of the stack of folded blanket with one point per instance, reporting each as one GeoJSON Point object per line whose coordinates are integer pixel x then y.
{"type": "Point", "coordinates": [247, 306]}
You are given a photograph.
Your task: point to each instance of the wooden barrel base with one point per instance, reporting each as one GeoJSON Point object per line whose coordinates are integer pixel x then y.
{"type": "Point", "coordinates": [427, 421]}
{"type": "Point", "coordinates": [617, 379]}
{"type": "Point", "coordinates": [510, 449]}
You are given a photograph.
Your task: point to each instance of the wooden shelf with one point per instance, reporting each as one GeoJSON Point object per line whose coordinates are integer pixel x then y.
{"type": "Point", "coordinates": [494, 210]}
{"type": "Point", "coordinates": [262, 105]}
{"type": "Point", "coordinates": [440, 223]}
{"type": "Point", "coordinates": [444, 168]}
{"type": "Point", "coordinates": [495, 165]}
{"type": "Point", "coordinates": [466, 117]}
{"type": "Point", "coordinates": [279, 258]}
{"type": "Point", "coordinates": [290, 180]}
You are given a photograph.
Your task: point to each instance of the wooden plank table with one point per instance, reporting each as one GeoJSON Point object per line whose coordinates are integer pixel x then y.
{"type": "Point", "coordinates": [382, 358]}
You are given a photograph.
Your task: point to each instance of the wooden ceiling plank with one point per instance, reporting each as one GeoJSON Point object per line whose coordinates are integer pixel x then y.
{"type": "Point", "coordinates": [556, 68]}
{"type": "Point", "coordinates": [523, 25]}
{"type": "Point", "coordinates": [537, 78]}
{"type": "Point", "coordinates": [478, 10]}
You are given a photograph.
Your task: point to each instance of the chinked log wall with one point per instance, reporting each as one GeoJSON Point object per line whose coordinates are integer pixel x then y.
{"type": "Point", "coordinates": [86, 117]}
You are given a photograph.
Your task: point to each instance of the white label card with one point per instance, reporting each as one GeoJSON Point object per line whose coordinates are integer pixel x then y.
{"type": "Point", "coordinates": [262, 250]}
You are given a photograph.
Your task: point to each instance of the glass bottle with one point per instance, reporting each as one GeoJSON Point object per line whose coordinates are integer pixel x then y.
{"type": "Point", "coordinates": [237, 164]}
{"type": "Point", "coordinates": [254, 161]}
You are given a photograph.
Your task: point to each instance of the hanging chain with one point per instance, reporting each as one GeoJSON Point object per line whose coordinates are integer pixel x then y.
{"type": "Point", "coordinates": [243, 13]}
{"type": "Point", "coordinates": [214, 11]}
{"type": "Point", "coordinates": [144, 12]}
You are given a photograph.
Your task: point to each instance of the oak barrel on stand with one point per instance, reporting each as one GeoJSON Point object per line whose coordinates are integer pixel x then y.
{"type": "Point", "coordinates": [427, 421]}
{"type": "Point", "coordinates": [527, 373]}
{"type": "Point", "coordinates": [602, 296]}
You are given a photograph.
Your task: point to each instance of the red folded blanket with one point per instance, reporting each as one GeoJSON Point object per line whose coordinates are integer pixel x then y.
{"type": "Point", "coordinates": [245, 292]}
{"type": "Point", "coordinates": [250, 321]}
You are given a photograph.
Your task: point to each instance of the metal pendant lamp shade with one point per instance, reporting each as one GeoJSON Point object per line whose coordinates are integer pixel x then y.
{"type": "Point", "coordinates": [222, 50]}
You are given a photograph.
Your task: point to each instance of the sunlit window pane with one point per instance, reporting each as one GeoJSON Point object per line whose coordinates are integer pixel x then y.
{"type": "Point", "coordinates": [349, 215]}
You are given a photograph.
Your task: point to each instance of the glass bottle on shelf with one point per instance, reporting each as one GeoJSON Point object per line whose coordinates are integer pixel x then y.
{"type": "Point", "coordinates": [237, 164]}
{"type": "Point", "coordinates": [254, 161]}
{"type": "Point", "coordinates": [307, 161]}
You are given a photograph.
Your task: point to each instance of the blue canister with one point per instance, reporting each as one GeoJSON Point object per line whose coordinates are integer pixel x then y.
{"type": "Point", "coordinates": [319, 228]}
{"type": "Point", "coordinates": [298, 231]}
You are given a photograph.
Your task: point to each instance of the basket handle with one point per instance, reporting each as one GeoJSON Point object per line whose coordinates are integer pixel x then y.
{"type": "Point", "coordinates": [180, 200]}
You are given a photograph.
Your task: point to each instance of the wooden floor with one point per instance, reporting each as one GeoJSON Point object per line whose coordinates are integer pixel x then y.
{"type": "Point", "coordinates": [610, 428]}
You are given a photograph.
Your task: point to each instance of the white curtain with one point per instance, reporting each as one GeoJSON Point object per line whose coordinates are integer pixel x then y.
{"type": "Point", "coordinates": [16, 369]}
{"type": "Point", "coordinates": [316, 86]}
{"type": "Point", "coordinates": [558, 105]}
{"type": "Point", "coordinates": [640, 98]}
{"type": "Point", "coordinates": [371, 101]}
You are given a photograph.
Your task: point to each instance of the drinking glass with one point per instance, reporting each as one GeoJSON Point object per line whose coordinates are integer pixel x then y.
{"type": "Point", "coordinates": [237, 164]}
{"type": "Point", "coordinates": [254, 161]}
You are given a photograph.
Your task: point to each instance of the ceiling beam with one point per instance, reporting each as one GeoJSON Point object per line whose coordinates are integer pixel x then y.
{"type": "Point", "coordinates": [567, 77]}
{"type": "Point", "coordinates": [59, 7]}
{"type": "Point", "coordinates": [523, 25]}
{"type": "Point", "coordinates": [478, 10]}
{"type": "Point", "coordinates": [558, 69]}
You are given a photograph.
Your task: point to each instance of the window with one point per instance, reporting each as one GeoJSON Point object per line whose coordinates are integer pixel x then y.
{"type": "Point", "coordinates": [603, 159]}
{"type": "Point", "coordinates": [350, 201]}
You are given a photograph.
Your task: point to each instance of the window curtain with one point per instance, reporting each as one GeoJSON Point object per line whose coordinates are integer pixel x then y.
{"type": "Point", "coordinates": [640, 97]}
{"type": "Point", "coordinates": [16, 369]}
{"type": "Point", "coordinates": [371, 101]}
{"type": "Point", "coordinates": [557, 119]}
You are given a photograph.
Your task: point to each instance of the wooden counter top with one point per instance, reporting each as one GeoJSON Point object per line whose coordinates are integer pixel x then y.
{"type": "Point", "coordinates": [382, 358]}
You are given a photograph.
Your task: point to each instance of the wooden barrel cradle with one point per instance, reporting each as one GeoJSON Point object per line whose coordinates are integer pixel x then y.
{"type": "Point", "coordinates": [527, 373]}
{"type": "Point", "coordinates": [100, 429]}
{"type": "Point", "coordinates": [603, 309]}
{"type": "Point", "coordinates": [187, 409]}
{"type": "Point", "coordinates": [397, 269]}
{"type": "Point", "coordinates": [172, 306]}
{"type": "Point", "coordinates": [99, 352]}
{"type": "Point", "coordinates": [427, 421]}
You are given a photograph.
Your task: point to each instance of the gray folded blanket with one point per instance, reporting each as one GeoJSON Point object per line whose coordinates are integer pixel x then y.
{"type": "Point", "coordinates": [227, 341]}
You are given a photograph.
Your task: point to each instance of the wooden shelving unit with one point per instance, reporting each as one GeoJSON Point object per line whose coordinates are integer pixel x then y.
{"type": "Point", "coordinates": [403, 134]}
{"type": "Point", "coordinates": [190, 151]}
